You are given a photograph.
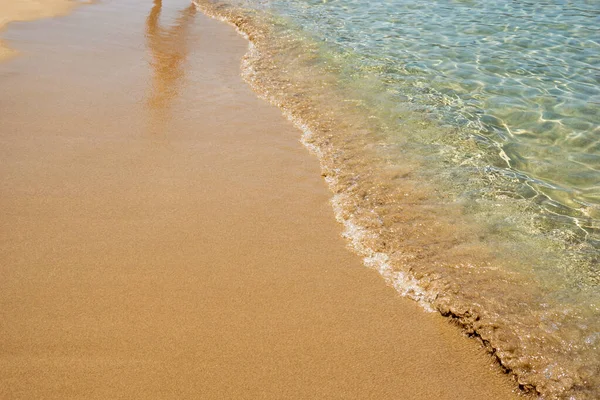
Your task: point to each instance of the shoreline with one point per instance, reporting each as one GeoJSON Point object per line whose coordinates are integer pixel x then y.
{"type": "Point", "coordinates": [168, 235]}
{"type": "Point", "coordinates": [526, 358]}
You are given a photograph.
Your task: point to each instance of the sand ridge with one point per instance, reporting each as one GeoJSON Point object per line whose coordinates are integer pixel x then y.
{"type": "Point", "coordinates": [29, 10]}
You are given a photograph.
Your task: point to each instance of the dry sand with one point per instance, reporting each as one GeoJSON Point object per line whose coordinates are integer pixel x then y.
{"type": "Point", "coordinates": [165, 235]}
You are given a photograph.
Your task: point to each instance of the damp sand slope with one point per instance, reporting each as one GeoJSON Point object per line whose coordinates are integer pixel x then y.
{"type": "Point", "coordinates": [165, 235]}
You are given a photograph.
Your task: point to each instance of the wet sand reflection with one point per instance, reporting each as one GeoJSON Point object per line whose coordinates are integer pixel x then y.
{"type": "Point", "coordinates": [168, 48]}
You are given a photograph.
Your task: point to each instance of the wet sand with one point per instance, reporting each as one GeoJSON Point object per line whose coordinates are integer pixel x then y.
{"type": "Point", "coordinates": [165, 235]}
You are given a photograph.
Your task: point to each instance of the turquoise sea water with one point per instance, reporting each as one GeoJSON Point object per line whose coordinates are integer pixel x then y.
{"type": "Point", "coordinates": [523, 76]}
{"type": "Point", "coordinates": [461, 140]}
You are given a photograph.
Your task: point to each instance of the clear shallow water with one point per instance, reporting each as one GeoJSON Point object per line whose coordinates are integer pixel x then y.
{"type": "Point", "coordinates": [524, 77]}
{"type": "Point", "coordinates": [461, 140]}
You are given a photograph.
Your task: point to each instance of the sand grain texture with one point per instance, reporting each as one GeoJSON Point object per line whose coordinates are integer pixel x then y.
{"type": "Point", "coordinates": [165, 235]}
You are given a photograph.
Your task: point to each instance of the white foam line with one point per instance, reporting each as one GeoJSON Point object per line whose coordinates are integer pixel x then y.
{"type": "Point", "coordinates": [405, 284]}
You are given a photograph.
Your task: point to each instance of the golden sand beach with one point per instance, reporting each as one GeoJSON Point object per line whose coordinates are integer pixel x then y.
{"type": "Point", "coordinates": [164, 234]}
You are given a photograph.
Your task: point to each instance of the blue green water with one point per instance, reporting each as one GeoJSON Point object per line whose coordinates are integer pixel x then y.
{"type": "Point", "coordinates": [461, 140]}
{"type": "Point", "coordinates": [524, 76]}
